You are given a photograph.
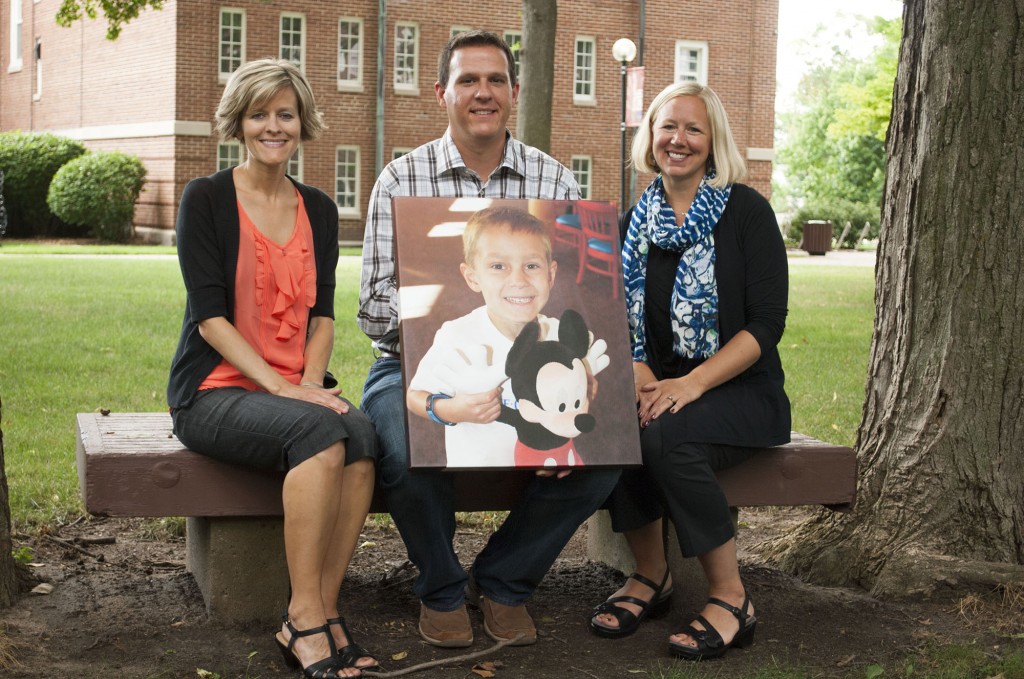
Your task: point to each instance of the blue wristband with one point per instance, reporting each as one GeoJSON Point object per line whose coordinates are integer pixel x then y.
{"type": "Point", "coordinates": [430, 410]}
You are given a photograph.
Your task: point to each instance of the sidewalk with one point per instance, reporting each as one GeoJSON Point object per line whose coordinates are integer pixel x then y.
{"type": "Point", "coordinates": [864, 258]}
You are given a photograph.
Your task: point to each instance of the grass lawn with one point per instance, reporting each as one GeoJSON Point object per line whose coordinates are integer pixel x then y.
{"type": "Point", "coordinates": [86, 333]}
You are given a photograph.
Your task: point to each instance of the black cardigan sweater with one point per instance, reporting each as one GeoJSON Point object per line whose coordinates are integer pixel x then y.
{"type": "Point", "coordinates": [207, 233]}
{"type": "Point", "coordinates": [752, 275]}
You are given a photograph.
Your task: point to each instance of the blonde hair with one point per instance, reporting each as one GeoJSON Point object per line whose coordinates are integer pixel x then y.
{"type": "Point", "coordinates": [518, 221]}
{"type": "Point", "coordinates": [725, 157]}
{"type": "Point", "coordinates": [256, 83]}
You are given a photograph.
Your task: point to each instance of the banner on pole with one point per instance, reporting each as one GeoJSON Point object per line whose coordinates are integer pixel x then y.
{"type": "Point", "coordinates": [634, 96]}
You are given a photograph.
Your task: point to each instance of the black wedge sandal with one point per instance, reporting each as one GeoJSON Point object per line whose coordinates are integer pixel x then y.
{"type": "Point", "coordinates": [350, 655]}
{"type": "Point", "coordinates": [657, 606]}
{"type": "Point", "coordinates": [321, 669]}
{"type": "Point", "coordinates": [709, 642]}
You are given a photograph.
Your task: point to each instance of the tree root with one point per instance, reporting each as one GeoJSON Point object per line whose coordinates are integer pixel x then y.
{"type": "Point", "coordinates": [442, 661]}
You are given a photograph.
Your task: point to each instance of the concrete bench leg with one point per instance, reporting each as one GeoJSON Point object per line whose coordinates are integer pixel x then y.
{"type": "Point", "coordinates": [610, 548]}
{"type": "Point", "coordinates": [239, 565]}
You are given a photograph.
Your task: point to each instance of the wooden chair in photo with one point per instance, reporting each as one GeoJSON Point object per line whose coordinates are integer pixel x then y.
{"type": "Point", "coordinates": [569, 232]}
{"type": "Point", "coordinates": [600, 254]}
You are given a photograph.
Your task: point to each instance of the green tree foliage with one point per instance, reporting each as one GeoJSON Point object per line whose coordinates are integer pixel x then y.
{"type": "Point", "coordinates": [117, 12]}
{"type": "Point", "coordinates": [29, 161]}
{"type": "Point", "coordinates": [832, 149]}
{"type": "Point", "coordinates": [99, 190]}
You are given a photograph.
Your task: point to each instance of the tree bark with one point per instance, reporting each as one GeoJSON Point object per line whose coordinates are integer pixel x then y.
{"type": "Point", "coordinates": [941, 493]}
{"type": "Point", "coordinates": [9, 581]}
{"type": "Point", "coordinates": [537, 73]}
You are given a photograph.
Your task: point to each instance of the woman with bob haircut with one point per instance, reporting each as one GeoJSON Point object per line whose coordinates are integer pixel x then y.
{"type": "Point", "coordinates": [706, 290]}
{"type": "Point", "coordinates": [249, 383]}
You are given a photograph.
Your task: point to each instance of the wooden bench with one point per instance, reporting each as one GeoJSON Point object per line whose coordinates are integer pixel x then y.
{"type": "Point", "coordinates": [131, 465]}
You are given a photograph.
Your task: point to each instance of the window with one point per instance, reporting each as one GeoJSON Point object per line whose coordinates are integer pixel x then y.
{"type": "Point", "coordinates": [581, 168]}
{"type": "Point", "coordinates": [583, 78]}
{"type": "Point", "coordinates": [399, 151]}
{"type": "Point", "coordinates": [293, 39]}
{"type": "Point", "coordinates": [229, 154]}
{"type": "Point", "coordinates": [346, 191]}
{"type": "Point", "coordinates": [232, 42]}
{"type": "Point", "coordinates": [692, 61]}
{"type": "Point", "coordinates": [295, 165]}
{"type": "Point", "coordinates": [515, 43]}
{"type": "Point", "coordinates": [16, 25]}
{"type": "Point", "coordinates": [407, 43]}
{"type": "Point", "coordinates": [38, 54]}
{"type": "Point", "coordinates": [350, 54]}
{"type": "Point", "coordinates": [459, 29]}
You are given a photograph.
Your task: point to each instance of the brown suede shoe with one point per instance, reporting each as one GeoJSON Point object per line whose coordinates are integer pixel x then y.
{"type": "Point", "coordinates": [507, 622]}
{"type": "Point", "coordinates": [447, 629]}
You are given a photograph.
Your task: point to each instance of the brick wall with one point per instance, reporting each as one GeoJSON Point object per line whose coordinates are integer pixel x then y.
{"type": "Point", "coordinates": [164, 68]}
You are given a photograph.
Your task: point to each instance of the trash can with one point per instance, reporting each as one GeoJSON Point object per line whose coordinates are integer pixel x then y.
{"type": "Point", "coordinates": [817, 238]}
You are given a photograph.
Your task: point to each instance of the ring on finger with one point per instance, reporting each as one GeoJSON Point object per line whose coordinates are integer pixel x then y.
{"type": "Point", "coordinates": [671, 398]}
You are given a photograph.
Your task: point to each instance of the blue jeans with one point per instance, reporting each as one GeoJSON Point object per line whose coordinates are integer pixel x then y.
{"type": "Point", "coordinates": [422, 504]}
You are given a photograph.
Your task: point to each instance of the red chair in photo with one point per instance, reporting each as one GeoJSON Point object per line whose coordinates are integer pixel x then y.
{"type": "Point", "coordinates": [600, 254]}
{"type": "Point", "coordinates": [569, 231]}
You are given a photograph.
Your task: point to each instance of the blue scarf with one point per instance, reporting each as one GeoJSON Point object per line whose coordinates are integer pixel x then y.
{"type": "Point", "coordinates": [695, 292]}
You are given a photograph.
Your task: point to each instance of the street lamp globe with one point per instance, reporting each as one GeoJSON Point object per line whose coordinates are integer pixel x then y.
{"type": "Point", "coordinates": [624, 49]}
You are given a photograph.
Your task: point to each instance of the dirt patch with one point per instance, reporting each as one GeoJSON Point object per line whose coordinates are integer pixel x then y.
{"type": "Point", "coordinates": [130, 609]}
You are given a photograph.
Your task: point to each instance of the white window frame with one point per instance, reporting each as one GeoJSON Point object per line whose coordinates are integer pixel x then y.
{"type": "Point", "coordinates": [301, 64]}
{"type": "Point", "coordinates": [295, 165]}
{"type": "Point", "coordinates": [17, 26]}
{"type": "Point", "coordinates": [583, 87]}
{"type": "Point", "coordinates": [399, 151]}
{"type": "Point", "coordinates": [584, 175]}
{"type": "Point", "coordinates": [226, 151]}
{"type": "Point", "coordinates": [459, 29]}
{"type": "Point", "coordinates": [347, 210]}
{"type": "Point", "coordinates": [351, 84]}
{"type": "Point", "coordinates": [683, 70]}
{"type": "Point", "coordinates": [407, 87]}
{"type": "Point", "coordinates": [511, 38]}
{"type": "Point", "coordinates": [222, 75]}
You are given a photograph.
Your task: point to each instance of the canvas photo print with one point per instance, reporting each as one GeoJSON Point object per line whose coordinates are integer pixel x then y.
{"type": "Point", "coordinates": [515, 352]}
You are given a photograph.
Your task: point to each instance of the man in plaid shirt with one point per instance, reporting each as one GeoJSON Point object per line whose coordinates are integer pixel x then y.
{"type": "Point", "coordinates": [476, 157]}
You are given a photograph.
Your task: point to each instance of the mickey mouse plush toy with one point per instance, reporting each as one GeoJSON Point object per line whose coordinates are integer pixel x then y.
{"type": "Point", "coordinates": [549, 381]}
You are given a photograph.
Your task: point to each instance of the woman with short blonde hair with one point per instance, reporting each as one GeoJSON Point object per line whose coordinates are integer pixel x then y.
{"type": "Point", "coordinates": [706, 290]}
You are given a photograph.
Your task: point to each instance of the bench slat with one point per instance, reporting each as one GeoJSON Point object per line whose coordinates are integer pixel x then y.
{"type": "Point", "coordinates": [130, 464]}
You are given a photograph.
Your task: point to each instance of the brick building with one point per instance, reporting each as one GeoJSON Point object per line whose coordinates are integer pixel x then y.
{"type": "Point", "coordinates": [153, 91]}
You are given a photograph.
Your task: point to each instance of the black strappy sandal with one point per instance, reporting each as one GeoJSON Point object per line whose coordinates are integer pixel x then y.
{"type": "Point", "coordinates": [321, 669]}
{"type": "Point", "coordinates": [350, 655]}
{"type": "Point", "coordinates": [657, 606]}
{"type": "Point", "coordinates": [709, 642]}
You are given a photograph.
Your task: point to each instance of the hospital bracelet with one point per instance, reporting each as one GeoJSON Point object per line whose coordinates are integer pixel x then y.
{"type": "Point", "coordinates": [430, 410]}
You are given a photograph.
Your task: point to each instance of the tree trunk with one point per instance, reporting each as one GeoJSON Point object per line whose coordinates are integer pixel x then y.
{"type": "Point", "coordinates": [941, 493]}
{"type": "Point", "coordinates": [537, 73]}
{"type": "Point", "coordinates": [8, 572]}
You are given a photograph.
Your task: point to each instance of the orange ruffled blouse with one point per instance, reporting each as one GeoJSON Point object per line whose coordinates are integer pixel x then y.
{"type": "Point", "coordinates": [275, 287]}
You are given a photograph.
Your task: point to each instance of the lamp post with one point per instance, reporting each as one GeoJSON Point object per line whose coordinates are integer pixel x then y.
{"type": "Point", "coordinates": [624, 51]}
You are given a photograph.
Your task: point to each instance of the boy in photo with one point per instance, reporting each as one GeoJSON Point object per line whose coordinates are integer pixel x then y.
{"type": "Point", "coordinates": [460, 382]}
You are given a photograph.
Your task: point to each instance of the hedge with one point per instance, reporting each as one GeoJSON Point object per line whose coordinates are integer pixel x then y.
{"type": "Point", "coordinates": [98, 191]}
{"type": "Point", "coordinates": [29, 161]}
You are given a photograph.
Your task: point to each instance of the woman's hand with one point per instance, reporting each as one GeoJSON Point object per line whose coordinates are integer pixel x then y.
{"type": "Point", "coordinates": [671, 395]}
{"type": "Point", "coordinates": [642, 375]}
{"type": "Point", "coordinates": [315, 393]}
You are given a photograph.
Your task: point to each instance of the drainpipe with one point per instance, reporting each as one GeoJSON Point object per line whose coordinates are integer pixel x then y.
{"type": "Point", "coordinates": [382, 18]}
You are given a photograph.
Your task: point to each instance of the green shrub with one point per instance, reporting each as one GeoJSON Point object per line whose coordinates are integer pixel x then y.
{"type": "Point", "coordinates": [838, 212]}
{"type": "Point", "coordinates": [99, 190]}
{"type": "Point", "coordinates": [29, 162]}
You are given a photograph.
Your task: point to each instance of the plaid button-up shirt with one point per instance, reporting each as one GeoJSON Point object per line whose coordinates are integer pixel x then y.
{"type": "Point", "coordinates": [436, 169]}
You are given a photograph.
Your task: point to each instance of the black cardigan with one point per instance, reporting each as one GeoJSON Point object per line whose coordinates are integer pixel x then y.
{"type": "Point", "coordinates": [752, 275]}
{"type": "Point", "coordinates": [207, 232]}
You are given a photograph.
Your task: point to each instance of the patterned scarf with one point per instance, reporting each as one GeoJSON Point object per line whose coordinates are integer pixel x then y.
{"type": "Point", "coordinates": [695, 293]}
